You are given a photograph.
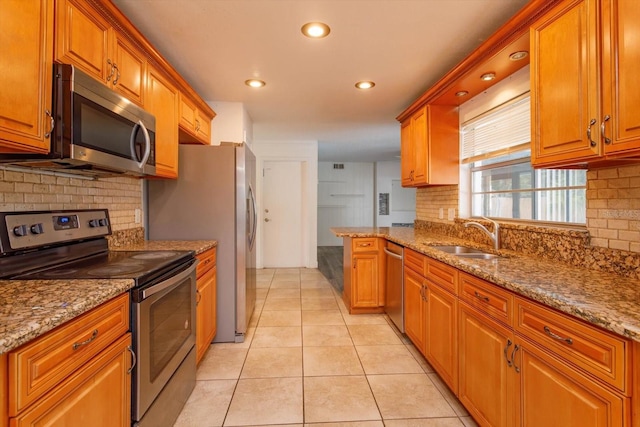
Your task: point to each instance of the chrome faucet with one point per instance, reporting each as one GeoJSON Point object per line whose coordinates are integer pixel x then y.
{"type": "Point", "coordinates": [495, 236]}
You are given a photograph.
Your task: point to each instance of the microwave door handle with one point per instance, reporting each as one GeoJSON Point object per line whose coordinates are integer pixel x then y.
{"type": "Point", "coordinates": [147, 140]}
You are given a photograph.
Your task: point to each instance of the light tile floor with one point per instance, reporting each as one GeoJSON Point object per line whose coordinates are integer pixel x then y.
{"type": "Point", "coordinates": [306, 361]}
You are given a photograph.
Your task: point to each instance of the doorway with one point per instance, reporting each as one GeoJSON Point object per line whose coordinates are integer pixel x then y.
{"type": "Point", "coordinates": [282, 214]}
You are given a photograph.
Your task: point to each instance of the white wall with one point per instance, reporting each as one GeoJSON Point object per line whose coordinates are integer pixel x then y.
{"type": "Point", "coordinates": [232, 123]}
{"type": "Point", "coordinates": [307, 153]}
{"type": "Point", "coordinates": [345, 199]}
{"type": "Point", "coordinates": [402, 201]}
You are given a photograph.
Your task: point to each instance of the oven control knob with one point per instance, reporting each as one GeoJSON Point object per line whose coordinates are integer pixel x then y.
{"type": "Point", "coordinates": [20, 230]}
{"type": "Point", "coordinates": [37, 229]}
{"type": "Point", "coordinates": [93, 223]}
{"type": "Point", "coordinates": [103, 222]}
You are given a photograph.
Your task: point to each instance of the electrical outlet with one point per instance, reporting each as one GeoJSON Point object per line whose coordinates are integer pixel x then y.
{"type": "Point", "coordinates": [451, 214]}
{"type": "Point", "coordinates": [441, 213]}
{"type": "Point", "coordinates": [138, 216]}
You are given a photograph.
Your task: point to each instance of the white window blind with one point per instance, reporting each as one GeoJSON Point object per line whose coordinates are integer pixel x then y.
{"type": "Point", "coordinates": [500, 131]}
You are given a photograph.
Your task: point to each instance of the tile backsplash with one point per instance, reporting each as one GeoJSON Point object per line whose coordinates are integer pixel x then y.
{"type": "Point", "coordinates": [613, 207]}
{"type": "Point", "coordinates": [26, 191]}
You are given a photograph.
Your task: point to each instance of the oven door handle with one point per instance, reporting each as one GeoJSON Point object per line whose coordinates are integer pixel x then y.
{"type": "Point", "coordinates": [146, 293]}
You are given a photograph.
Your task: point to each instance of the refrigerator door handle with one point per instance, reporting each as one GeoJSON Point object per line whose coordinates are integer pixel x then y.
{"type": "Point", "coordinates": [253, 221]}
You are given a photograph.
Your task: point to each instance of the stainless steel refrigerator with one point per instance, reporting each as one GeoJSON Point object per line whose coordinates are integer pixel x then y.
{"type": "Point", "coordinates": [214, 199]}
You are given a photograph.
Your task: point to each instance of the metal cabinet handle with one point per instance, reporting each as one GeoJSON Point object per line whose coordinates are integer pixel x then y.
{"type": "Point", "coordinates": [506, 357]}
{"type": "Point", "coordinates": [115, 81]}
{"type": "Point", "coordinates": [424, 292]}
{"type": "Point", "coordinates": [364, 245]}
{"type": "Point", "coordinates": [77, 345]}
{"type": "Point", "coordinates": [547, 331]}
{"type": "Point", "coordinates": [112, 70]}
{"type": "Point", "coordinates": [602, 129]}
{"type": "Point", "coordinates": [513, 360]}
{"type": "Point", "coordinates": [591, 141]}
{"type": "Point", "coordinates": [134, 360]}
{"type": "Point", "coordinates": [480, 296]}
{"type": "Point", "coordinates": [197, 125]}
{"type": "Point", "coordinates": [198, 297]}
{"type": "Point", "coordinates": [53, 123]}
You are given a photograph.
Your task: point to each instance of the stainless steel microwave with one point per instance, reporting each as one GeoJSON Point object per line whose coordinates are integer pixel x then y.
{"type": "Point", "coordinates": [97, 131]}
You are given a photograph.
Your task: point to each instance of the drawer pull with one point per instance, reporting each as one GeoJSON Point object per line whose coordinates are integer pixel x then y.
{"type": "Point", "coordinates": [557, 337]}
{"type": "Point", "coordinates": [77, 345]}
{"type": "Point", "coordinates": [513, 355]}
{"type": "Point", "coordinates": [480, 296]}
{"type": "Point", "coordinates": [506, 349]}
{"type": "Point", "coordinates": [364, 245]}
{"type": "Point", "coordinates": [134, 360]}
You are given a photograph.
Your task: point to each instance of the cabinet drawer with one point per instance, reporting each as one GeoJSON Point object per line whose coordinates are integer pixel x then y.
{"type": "Point", "coordinates": [443, 275]}
{"type": "Point", "coordinates": [206, 261]}
{"type": "Point", "coordinates": [415, 261]}
{"type": "Point", "coordinates": [600, 353]}
{"type": "Point", "coordinates": [365, 244]}
{"type": "Point", "coordinates": [487, 297]}
{"type": "Point", "coordinates": [40, 365]}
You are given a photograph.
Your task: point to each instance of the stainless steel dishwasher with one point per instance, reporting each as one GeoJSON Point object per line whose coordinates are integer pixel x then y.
{"type": "Point", "coordinates": [394, 304]}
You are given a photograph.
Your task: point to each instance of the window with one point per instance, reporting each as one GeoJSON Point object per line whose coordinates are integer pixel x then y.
{"type": "Point", "coordinates": [503, 184]}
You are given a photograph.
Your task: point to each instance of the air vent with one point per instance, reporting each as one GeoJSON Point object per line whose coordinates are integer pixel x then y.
{"type": "Point", "coordinates": [338, 165]}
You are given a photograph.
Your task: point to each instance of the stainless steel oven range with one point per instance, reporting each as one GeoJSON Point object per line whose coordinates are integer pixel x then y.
{"type": "Point", "coordinates": [72, 245]}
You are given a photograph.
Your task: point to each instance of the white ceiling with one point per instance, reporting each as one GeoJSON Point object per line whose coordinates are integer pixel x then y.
{"type": "Point", "coordinates": [403, 45]}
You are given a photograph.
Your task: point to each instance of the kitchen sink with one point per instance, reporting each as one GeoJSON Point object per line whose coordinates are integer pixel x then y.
{"type": "Point", "coordinates": [465, 252]}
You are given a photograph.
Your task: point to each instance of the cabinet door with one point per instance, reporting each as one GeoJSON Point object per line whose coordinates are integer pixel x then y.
{"type": "Point", "coordinates": [414, 307]}
{"type": "Point", "coordinates": [26, 41]}
{"type": "Point", "coordinates": [203, 128]}
{"type": "Point", "coordinates": [564, 85]}
{"type": "Point", "coordinates": [486, 378]}
{"type": "Point", "coordinates": [442, 334]}
{"type": "Point", "coordinates": [420, 137]}
{"type": "Point", "coordinates": [82, 38]}
{"type": "Point", "coordinates": [554, 394]}
{"type": "Point", "coordinates": [364, 291]}
{"type": "Point", "coordinates": [162, 101]}
{"type": "Point", "coordinates": [130, 70]}
{"type": "Point", "coordinates": [99, 394]}
{"type": "Point", "coordinates": [621, 87]}
{"type": "Point", "coordinates": [407, 154]}
{"type": "Point", "coordinates": [205, 312]}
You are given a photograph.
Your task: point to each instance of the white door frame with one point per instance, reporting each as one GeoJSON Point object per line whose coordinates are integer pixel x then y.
{"type": "Point", "coordinates": [305, 152]}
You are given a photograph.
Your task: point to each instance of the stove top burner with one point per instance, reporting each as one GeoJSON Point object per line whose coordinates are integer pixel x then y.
{"type": "Point", "coordinates": [115, 270]}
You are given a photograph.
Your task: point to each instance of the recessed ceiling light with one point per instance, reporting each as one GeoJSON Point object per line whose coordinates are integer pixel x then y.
{"type": "Point", "coordinates": [488, 76]}
{"type": "Point", "coordinates": [315, 30]}
{"type": "Point", "coordinates": [516, 56]}
{"type": "Point", "coordinates": [254, 83]}
{"type": "Point", "coordinates": [462, 93]}
{"type": "Point", "coordinates": [365, 84]}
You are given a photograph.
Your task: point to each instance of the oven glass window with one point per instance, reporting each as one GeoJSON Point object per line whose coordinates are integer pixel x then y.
{"type": "Point", "coordinates": [170, 322]}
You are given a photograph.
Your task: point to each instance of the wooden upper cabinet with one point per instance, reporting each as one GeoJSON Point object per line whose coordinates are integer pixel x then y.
{"type": "Point", "coordinates": [430, 147]}
{"type": "Point", "coordinates": [621, 86]}
{"type": "Point", "coordinates": [87, 40]}
{"type": "Point", "coordinates": [162, 99]}
{"type": "Point", "coordinates": [26, 42]}
{"type": "Point", "coordinates": [585, 98]}
{"type": "Point", "coordinates": [195, 125]}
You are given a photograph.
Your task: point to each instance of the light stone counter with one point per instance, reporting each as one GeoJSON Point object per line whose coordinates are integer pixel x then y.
{"type": "Point", "coordinates": [607, 300]}
{"type": "Point", "coordinates": [29, 308]}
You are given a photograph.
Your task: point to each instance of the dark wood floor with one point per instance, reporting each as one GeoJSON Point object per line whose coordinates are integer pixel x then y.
{"type": "Point", "coordinates": [330, 264]}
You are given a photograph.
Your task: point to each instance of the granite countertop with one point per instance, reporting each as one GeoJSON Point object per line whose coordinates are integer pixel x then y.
{"type": "Point", "coordinates": [199, 246]}
{"type": "Point", "coordinates": [29, 308]}
{"type": "Point", "coordinates": [607, 300]}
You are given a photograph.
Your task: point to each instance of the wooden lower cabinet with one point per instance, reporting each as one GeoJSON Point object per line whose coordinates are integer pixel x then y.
{"type": "Point", "coordinates": [552, 393]}
{"type": "Point", "coordinates": [364, 274]}
{"type": "Point", "coordinates": [441, 343]}
{"type": "Point", "coordinates": [487, 381]}
{"type": "Point", "coordinates": [99, 394]}
{"type": "Point", "coordinates": [414, 306]}
{"type": "Point", "coordinates": [206, 284]}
